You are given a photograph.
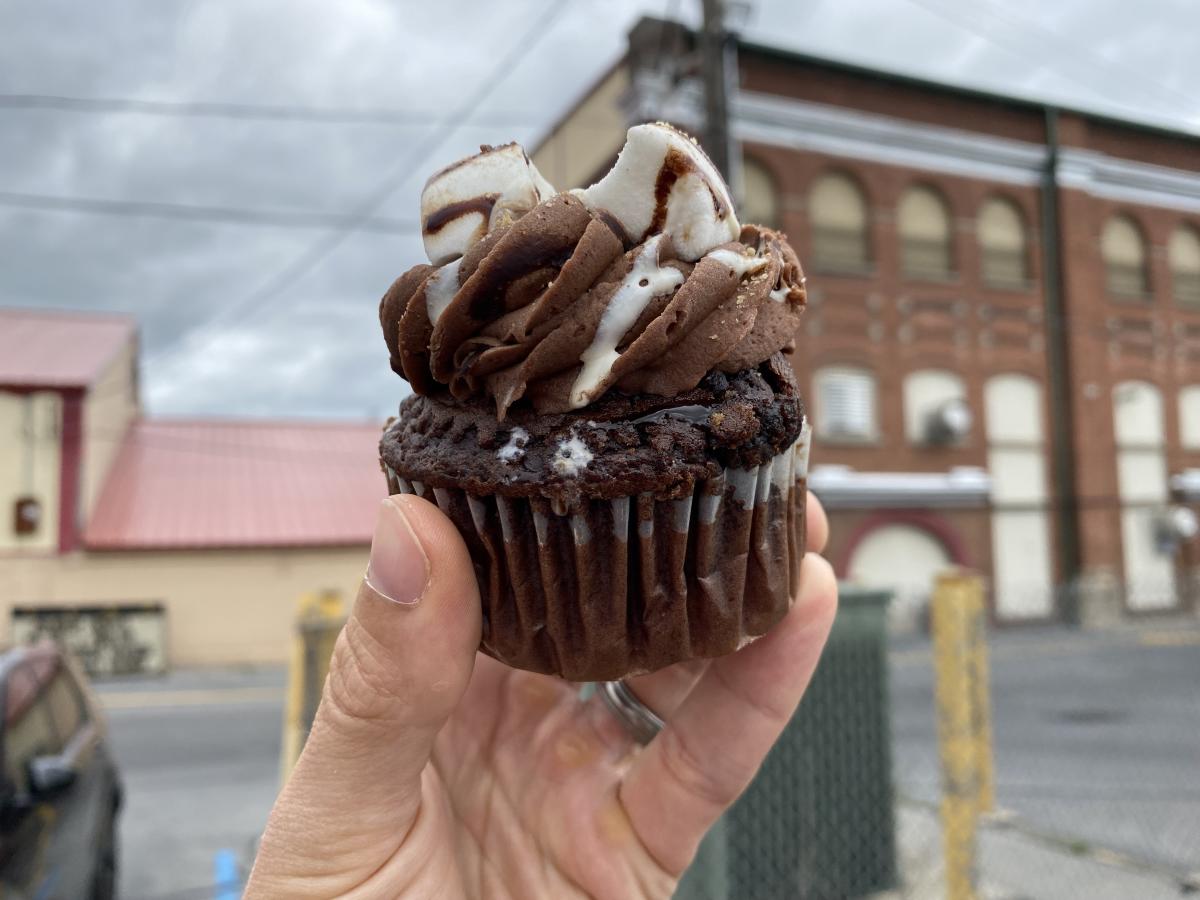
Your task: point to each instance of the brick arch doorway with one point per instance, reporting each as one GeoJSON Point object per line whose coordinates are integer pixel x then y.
{"type": "Point", "coordinates": [902, 553]}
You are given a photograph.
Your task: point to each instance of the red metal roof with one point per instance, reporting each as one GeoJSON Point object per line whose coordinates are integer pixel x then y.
{"type": "Point", "coordinates": [41, 348]}
{"type": "Point", "coordinates": [193, 484]}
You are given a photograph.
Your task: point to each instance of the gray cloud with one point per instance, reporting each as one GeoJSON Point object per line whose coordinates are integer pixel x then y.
{"type": "Point", "coordinates": [314, 348]}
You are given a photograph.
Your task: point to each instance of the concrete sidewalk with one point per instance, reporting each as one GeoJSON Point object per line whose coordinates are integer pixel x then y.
{"type": "Point", "coordinates": [1016, 864]}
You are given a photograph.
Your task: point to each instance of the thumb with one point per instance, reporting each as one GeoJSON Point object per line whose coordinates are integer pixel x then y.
{"type": "Point", "coordinates": [399, 669]}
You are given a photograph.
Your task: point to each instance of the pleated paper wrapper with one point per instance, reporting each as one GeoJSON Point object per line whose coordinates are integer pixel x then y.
{"type": "Point", "coordinates": [610, 588]}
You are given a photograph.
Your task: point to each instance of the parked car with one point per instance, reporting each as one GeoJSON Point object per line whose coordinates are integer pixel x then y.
{"type": "Point", "coordinates": [61, 792]}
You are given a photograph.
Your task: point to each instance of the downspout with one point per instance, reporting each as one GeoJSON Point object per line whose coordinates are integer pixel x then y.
{"type": "Point", "coordinates": [1062, 432]}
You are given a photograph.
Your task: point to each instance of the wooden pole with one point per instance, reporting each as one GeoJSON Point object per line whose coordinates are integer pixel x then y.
{"type": "Point", "coordinates": [981, 705]}
{"type": "Point", "coordinates": [957, 746]}
{"type": "Point", "coordinates": [714, 62]}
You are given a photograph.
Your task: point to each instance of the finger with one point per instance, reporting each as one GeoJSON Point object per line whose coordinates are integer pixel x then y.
{"type": "Point", "coordinates": [399, 668]}
{"type": "Point", "coordinates": [816, 524]}
{"type": "Point", "coordinates": [717, 738]}
{"type": "Point", "coordinates": [665, 689]}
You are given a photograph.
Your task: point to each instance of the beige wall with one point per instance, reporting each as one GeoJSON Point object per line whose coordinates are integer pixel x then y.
{"type": "Point", "coordinates": [222, 607]}
{"type": "Point", "coordinates": [588, 138]}
{"type": "Point", "coordinates": [30, 462]}
{"type": "Point", "coordinates": [109, 406]}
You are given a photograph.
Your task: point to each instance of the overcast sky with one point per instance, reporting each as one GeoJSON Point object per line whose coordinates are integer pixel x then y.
{"type": "Point", "coordinates": [314, 348]}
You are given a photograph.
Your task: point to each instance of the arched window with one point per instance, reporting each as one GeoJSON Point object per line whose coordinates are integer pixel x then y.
{"type": "Point", "coordinates": [760, 197]}
{"type": "Point", "coordinates": [923, 221]}
{"type": "Point", "coordinates": [837, 210]}
{"type": "Point", "coordinates": [906, 560]}
{"type": "Point", "coordinates": [1189, 417]}
{"type": "Point", "coordinates": [845, 400]}
{"type": "Point", "coordinates": [1003, 244]}
{"type": "Point", "coordinates": [1124, 252]}
{"type": "Point", "coordinates": [1183, 255]}
{"type": "Point", "coordinates": [935, 410]}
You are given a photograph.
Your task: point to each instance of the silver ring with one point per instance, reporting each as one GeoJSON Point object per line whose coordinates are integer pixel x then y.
{"type": "Point", "coordinates": [639, 719]}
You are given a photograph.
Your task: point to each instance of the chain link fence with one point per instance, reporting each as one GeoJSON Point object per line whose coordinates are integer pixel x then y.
{"type": "Point", "coordinates": [1095, 738]}
{"type": "Point", "coordinates": [818, 819]}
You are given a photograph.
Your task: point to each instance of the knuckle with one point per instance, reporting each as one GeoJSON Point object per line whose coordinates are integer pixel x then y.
{"type": "Point", "coordinates": [362, 684]}
{"type": "Point", "coordinates": [765, 704]}
{"type": "Point", "coordinates": [698, 777]}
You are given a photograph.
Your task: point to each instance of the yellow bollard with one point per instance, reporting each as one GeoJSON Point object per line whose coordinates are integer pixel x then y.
{"type": "Point", "coordinates": [981, 706]}
{"type": "Point", "coordinates": [319, 620]}
{"type": "Point", "coordinates": [952, 620]}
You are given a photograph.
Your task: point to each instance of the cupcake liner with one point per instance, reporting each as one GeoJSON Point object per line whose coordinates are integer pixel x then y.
{"type": "Point", "coordinates": [608, 588]}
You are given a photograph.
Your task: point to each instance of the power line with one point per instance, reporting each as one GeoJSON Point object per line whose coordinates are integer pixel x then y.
{"type": "Point", "coordinates": [197, 213]}
{"type": "Point", "coordinates": [330, 115]}
{"type": "Point", "coordinates": [324, 246]}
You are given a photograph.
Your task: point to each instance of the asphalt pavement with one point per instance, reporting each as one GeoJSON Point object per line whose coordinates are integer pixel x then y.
{"type": "Point", "coordinates": [199, 753]}
{"type": "Point", "coordinates": [1097, 738]}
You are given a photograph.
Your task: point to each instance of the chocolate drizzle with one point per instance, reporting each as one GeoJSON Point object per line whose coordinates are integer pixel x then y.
{"type": "Point", "coordinates": [674, 166]}
{"type": "Point", "coordinates": [614, 225]}
{"type": "Point", "coordinates": [718, 206]}
{"type": "Point", "coordinates": [441, 218]}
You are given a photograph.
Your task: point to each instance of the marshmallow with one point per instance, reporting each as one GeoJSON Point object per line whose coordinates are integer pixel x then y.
{"type": "Point", "coordinates": [572, 456]}
{"type": "Point", "coordinates": [663, 182]}
{"type": "Point", "coordinates": [741, 264]}
{"type": "Point", "coordinates": [463, 201]}
{"type": "Point", "coordinates": [440, 289]}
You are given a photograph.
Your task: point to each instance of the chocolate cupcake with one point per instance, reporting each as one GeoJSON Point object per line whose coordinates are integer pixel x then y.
{"type": "Point", "coordinates": [605, 406]}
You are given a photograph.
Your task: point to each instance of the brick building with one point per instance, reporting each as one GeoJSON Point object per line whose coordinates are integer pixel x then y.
{"type": "Point", "coordinates": [946, 234]}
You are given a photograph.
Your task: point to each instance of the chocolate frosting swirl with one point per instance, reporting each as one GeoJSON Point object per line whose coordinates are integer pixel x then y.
{"type": "Point", "coordinates": [555, 308]}
{"type": "Point", "coordinates": [642, 283]}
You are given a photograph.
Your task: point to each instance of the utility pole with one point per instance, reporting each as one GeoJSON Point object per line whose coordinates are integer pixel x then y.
{"type": "Point", "coordinates": [717, 51]}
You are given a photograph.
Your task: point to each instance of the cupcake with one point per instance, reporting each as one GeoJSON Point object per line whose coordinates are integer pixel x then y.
{"type": "Point", "coordinates": [604, 404]}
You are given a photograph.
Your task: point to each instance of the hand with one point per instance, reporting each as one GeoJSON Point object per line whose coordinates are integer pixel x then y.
{"type": "Point", "coordinates": [435, 771]}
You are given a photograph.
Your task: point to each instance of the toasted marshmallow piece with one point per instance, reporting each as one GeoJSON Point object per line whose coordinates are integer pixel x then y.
{"type": "Point", "coordinates": [663, 183]}
{"type": "Point", "coordinates": [463, 201]}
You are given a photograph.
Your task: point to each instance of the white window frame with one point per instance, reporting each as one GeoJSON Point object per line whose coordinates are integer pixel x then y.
{"type": "Point", "coordinates": [867, 429]}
